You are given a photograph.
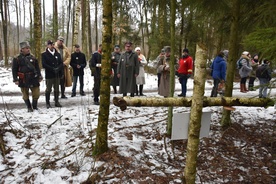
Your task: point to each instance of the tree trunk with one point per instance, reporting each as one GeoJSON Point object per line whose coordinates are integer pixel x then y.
{"type": "Point", "coordinates": [68, 21]}
{"type": "Point", "coordinates": [196, 113]}
{"type": "Point", "coordinates": [161, 22]}
{"type": "Point", "coordinates": [31, 23]}
{"type": "Point", "coordinates": [5, 29]}
{"type": "Point", "coordinates": [17, 25]}
{"type": "Point", "coordinates": [96, 25]}
{"type": "Point", "coordinates": [231, 63]}
{"type": "Point", "coordinates": [101, 145]}
{"type": "Point", "coordinates": [187, 102]}
{"type": "Point", "coordinates": [172, 63]}
{"type": "Point", "coordinates": [90, 50]}
{"type": "Point", "coordinates": [55, 19]}
{"type": "Point", "coordinates": [44, 21]}
{"type": "Point", "coordinates": [37, 30]}
{"type": "Point", "coordinates": [84, 26]}
{"type": "Point", "coordinates": [77, 22]}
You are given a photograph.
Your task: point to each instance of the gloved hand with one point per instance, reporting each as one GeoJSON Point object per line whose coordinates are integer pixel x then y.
{"type": "Point", "coordinates": [188, 76]}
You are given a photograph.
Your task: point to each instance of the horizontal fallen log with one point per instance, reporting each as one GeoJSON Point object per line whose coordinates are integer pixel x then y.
{"type": "Point", "coordinates": [123, 102]}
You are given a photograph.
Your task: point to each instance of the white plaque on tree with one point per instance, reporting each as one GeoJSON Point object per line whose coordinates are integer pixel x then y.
{"type": "Point", "coordinates": [180, 125]}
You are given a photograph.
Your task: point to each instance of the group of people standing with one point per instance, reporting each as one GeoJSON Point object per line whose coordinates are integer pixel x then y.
{"type": "Point", "coordinates": [247, 68]}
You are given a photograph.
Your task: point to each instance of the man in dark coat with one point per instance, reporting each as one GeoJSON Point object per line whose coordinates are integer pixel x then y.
{"type": "Point", "coordinates": [95, 63]}
{"type": "Point", "coordinates": [52, 62]}
{"type": "Point", "coordinates": [26, 74]}
{"type": "Point", "coordinates": [78, 63]}
{"type": "Point", "coordinates": [115, 58]}
{"type": "Point", "coordinates": [128, 70]}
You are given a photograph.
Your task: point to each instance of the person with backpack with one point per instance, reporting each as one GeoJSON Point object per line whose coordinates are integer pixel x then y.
{"type": "Point", "coordinates": [244, 69]}
{"type": "Point", "coordinates": [218, 72]}
{"type": "Point", "coordinates": [263, 73]}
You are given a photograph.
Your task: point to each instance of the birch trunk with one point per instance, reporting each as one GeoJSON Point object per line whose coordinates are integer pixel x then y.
{"type": "Point", "coordinates": [101, 145]}
{"type": "Point", "coordinates": [76, 22]}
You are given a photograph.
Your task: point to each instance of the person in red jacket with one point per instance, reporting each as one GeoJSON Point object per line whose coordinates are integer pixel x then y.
{"type": "Point", "coordinates": [185, 70]}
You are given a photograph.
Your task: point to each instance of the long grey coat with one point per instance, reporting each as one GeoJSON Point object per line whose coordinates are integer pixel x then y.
{"type": "Point", "coordinates": [128, 66]}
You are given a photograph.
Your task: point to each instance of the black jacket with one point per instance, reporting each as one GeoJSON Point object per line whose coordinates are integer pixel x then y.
{"type": "Point", "coordinates": [25, 69]}
{"type": "Point", "coordinates": [53, 65]}
{"type": "Point", "coordinates": [96, 59]}
{"type": "Point", "coordinates": [78, 58]}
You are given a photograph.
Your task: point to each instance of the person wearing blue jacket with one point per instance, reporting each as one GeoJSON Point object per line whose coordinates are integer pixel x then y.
{"type": "Point", "coordinates": [218, 72]}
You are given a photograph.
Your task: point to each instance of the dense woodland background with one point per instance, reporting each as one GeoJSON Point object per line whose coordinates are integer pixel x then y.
{"type": "Point", "coordinates": [145, 22]}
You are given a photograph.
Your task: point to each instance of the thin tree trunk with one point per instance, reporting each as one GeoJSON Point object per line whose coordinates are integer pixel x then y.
{"type": "Point", "coordinates": [68, 22]}
{"type": "Point", "coordinates": [96, 24]}
{"type": "Point", "coordinates": [90, 50]}
{"type": "Point", "coordinates": [77, 22]}
{"type": "Point", "coordinates": [172, 63]}
{"type": "Point", "coordinates": [73, 20]}
{"type": "Point", "coordinates": [231, 66]}
{"type": "Point", "coordinates": [44, 21]}
{"type": "Point", "coordinates": [187, 102]}
{"type": "Point", "coordinates": [147, 29]}
{"type": "Point", "coordinates": [37, 30]}
{"type": "Point", "coordinates": [17, 24]}
{"type": "Point", "coordinates": [101, 144]}
{"type": "Point", "coordinates": [5, 29]}
{"type": "Point", "coordinates": [161, 22]}
{"type": "Point", "coordinates": [31, 23]}
{"type": "Point", "coordinates": [55, 19]}
{"type": "Point", "coordinates": [196, 113]}
{"type": "Point", "coordinates": [84, 26]}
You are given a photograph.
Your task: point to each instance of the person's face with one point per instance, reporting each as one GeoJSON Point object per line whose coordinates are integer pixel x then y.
{"type": "Point", "coordinates": [138, 52]}
{"type": "Point", "coordinates": [60, 42]}
{"type": "Point", "coordinates": [128, 47]}
{"type": "Point", "coordinates": [50, 46]}
{"type": "Point", "coordinates": [77, 49]}
{"type": "Point", "coordinates": [25, 50]}
{"type": "Point", "coordinates": [185, 53]}
{"type": "Point", "coordinates": [116, 49]}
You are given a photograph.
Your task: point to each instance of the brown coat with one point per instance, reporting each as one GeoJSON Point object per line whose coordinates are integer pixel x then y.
{"type": "Point", "coordinates": [66, 63]}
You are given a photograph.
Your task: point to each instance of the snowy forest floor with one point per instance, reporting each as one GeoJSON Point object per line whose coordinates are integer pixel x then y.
{"type": "Point", "coordinates": [55, 145]}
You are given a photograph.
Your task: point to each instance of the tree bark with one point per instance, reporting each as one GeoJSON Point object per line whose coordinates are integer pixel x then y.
{"type": "Point", "coordinates": [123, 102]}
{"type": "Point", "coordinates": [101, 144]}
{"type": "Point", "coordinates": [55, 19]}
{"type": "Point", "coordinates": [5, 29]}
{"type": "Point", "coordinates": [76, 22]}
{"type": "Point", "coordinates": [196, 113]}
{"type": "Point", "coordinates": [172, 63]}
{"type": "Point", "coordinates": [37, 30]}
{"type": "Point", "coordinates": [231, 63]}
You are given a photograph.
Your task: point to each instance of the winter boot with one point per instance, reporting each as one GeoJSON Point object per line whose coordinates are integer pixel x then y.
{"type": "Point", "coordinates": [47, 97]}
{"type": "Point", "coordinates": [29, 106]}
{"type": "Point", "coordinates": [35, 104]}
{"type": "Point", "coordinates": [243, 88]}
{"type": "Point", "coordinates": [141, 90]}
{"type": "Point", "coordinates": [57, 104]}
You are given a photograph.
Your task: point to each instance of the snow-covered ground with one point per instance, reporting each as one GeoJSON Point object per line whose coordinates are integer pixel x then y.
{"type": "Point", "coordinates": [54, 146]}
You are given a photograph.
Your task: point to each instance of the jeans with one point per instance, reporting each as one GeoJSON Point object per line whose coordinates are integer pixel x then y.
{"type": "Point", "coordinates": [75, 80]}
{"type": "Point", "coordinates": [183, 82]}
{"type": "Point", "coordinates": [263, 87]}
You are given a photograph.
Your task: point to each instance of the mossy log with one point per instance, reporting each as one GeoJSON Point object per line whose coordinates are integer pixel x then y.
{"type": "Point", "coordinates": [123, 102]}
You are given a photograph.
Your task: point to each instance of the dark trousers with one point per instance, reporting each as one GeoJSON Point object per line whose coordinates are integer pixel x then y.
{"type": "Point", "coordinates": [214, 92]}
{"type": "Point", "coordinates": [251, 83]}
{"type": "Point", "coordinates": [62, 85]}
{"type": "Point", "coordinates": [96, 89]}
{"type": "Point", "coordinates": [158, 79]}
{"type": "Point", "coordinates": [75, 81]}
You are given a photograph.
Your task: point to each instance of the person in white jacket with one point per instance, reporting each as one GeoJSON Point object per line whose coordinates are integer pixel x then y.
{"type": "Point", "coordinates": [140, 79]}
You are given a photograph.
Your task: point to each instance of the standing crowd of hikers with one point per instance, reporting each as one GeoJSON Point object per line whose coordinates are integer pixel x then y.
{"type": "Point", "coordinates": [66, 69]}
